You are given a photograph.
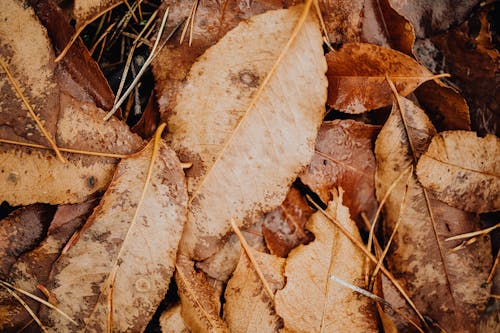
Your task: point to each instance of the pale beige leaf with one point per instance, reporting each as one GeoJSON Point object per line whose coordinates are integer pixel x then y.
{"type": "Point", "coordinates": [463, 170]}
{"type": "Point", "coordinates": [80, 126]}
{"type": "Point", "coordinates": [237, 135]}
{"type": "Point", "coordinates": [446, 286]}
{"type": "Point", "coordinates": [85, 11]}
{"type": "Point", "coordinates": [199, 300]}
{"type": "Point", "coordinates": [129, 243]}
{"type": "Point", "coordinates": [248, 307]}
{"type": "Point", "coordinates": [310, 301]}
{"type": "Point", "coordinates": [171, 320]}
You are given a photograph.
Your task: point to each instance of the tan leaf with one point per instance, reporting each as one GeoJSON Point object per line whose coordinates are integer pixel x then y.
{"type": "Point", "coordinates": [344, 157]}
{"type": "Point", "coordinates": [445, 285]}
{"type": "Point", "coordinates": [130, 241]}
{"type": "Point", "coordinates": [311, 301]}
{"type": "Point", "coordinates": [33, 268]}
{"type": "Point", "coordinates": [284, 227]}
{"type": "Point", "coordinates": [85, 11]}
{"type": "Point", "coordinates": [212, 20]}
{"type": "Point", "coordinates": [356, 76]}
{"type": "Point", "coordinates": [200, 301]}
{"type": "Point", "coordinates": [234, 118]}
{"type": "Point", "coordinates": [463, 170]}
{"type": "Point", "coordinates": [80, 126]}
{"type": "Point", "coordinates": [171, 320]}
{"type": "Point", "coordinates": [248, 308]}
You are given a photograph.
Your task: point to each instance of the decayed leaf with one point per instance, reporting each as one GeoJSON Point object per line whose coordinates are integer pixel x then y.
{"type": "Point", "coordinates": [356, 76]}
{"type": "Point", "coordinates": [221, 265]}
{"type": "Point", "coordinates": [79, 126]}
{"type": "Point", "coordinates": [200, 303]}
{"type": "Point", "coordinates": [171, 321]}
{"type": "Point", "coordinates": [432, 16]}
{"type": "Point", "coordinates": [343, 19]}
{"type": "Point", "coordinates": [234, 118]}
{"type": "Point", "coordinates": [344, 158]}
{"type": "Point", "coordinates": [212, 20]}
{"type": "Point", "coordinates": [33, 268]}
{"type": "Point", "coordinates": [248, 308]}
{"type": "Point", "coordinates": [463, 170]}
{"type": "Point", "coordinates": [445, 285]}
{"type": "Point", "coordinates": [311, 301]}
{"type": "Point", "coordinates": [447, 109]}
{"type": "Point", "coordinates": [283, 227]}
{"type": "Point", "coordinates": [20, 232]}
{"type": "Point", "coordinates": [131, 240]}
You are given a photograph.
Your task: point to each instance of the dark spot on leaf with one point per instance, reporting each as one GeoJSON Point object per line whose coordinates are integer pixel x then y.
{"type": "Point", "coordinates": [91, 182]}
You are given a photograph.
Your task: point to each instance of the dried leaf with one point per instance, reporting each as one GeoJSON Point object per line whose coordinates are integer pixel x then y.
{"type": "Point", "coordinates": [310, 301]}
{"type": "Point", "coordinates": [343, 20]}
{"type": "Point", "coordinates": [447, 109]}
{"type": "Point", "coordinates": [430, 16]}
{"type": "Point", "coordinates": [84, 11]}
{"type": "Point", "coordinates": [33, 268]}
{"type": "Point", "coordinates": [80, 126]}
{"type": "Point", "coordinates": [171, 320]}
{"type": "Point", "coordinates": [212, 20]}
{"type": "Point", "coordinates": [131, 242]}
{"type": "Point", "coordinates": [283, 228]}
{"type": "Point", "coordinates": [447, 286]}
{"type": "Point", "coordinates": [344, 158]}
{"type": "Point", "coordinates": [200, 302]}
{"type": "Point", "coordinates": [248, 308]}
{"type": "Point", "coordinates": [20, 232]}
{"type": "Point", "coordinates": [233, 121]}
{"type": "Point", "coordinates": [356, 76]}
{"type": "Point", "coordinates": [463, 170]}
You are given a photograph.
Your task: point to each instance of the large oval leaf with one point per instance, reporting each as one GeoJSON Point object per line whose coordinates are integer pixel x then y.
{"type": "Point", "coordinates": [248, 127]}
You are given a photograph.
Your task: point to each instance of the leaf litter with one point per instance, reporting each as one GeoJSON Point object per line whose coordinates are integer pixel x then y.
{"type": "Point", "coordinates": [125, 248]}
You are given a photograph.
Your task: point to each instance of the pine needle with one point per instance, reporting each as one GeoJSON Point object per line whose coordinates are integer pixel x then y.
{"type": "Point", "coordinates": [493, 269]}
{"type": "Point", "coordinates": [66, 150]}
{"type": "Point", "coordinates": [31, 111]}
{"type": "Point", "coordinates": [474, 234]}
{"type": "Point", "coordinates": [250, 256]}
{"type": "Point", "coordinates": [27, 308]}
{"type": "Point", "coordinates": [38, 299]}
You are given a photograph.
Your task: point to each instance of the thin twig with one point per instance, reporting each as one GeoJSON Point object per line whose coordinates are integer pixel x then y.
{"type": "Point", "coordinates": [473, 234]}
{"type": "Point", "coordinates": [493, 269]}
{"type": "Point", "coordinates": [31, 111]}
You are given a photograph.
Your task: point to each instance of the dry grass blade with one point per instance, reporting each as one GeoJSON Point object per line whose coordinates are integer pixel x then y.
{"type": "Point", "coordinates": [31, 111]}
{"type": "Point", "coordinates": [143, 68]}
{"type": "Point", "coordinates": [371, 257]}
{"type": "Point", "coordinates": [26, 307]}
{"type": "Point", "coordinates": [246, 247]}
{"type": "Point", "coordinates": [475, 233]}
{"type": "Point", "coordinates": [396, 226]}
{"type": "Point", "coordinates": [36, 298]}
{"type": "Point", "coordinates": [375, 298]}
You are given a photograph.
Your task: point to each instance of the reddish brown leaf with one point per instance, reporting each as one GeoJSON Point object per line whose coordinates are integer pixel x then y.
{"type": "Point", "coordinates": [283, 228]}
{"type": "Point", "coordinates": [356, 76]}
{"type": "Point", "coordinates": [344, 158]}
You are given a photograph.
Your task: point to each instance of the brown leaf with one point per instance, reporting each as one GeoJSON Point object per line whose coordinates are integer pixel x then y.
{"type": "Point", "coordinates": [200, 302]}
{"type": "Point", "coordinates": [283, 228]}
{"type": "Point", "coordinates": [445, 285]}
{"type": "Point", "coordinates": [343, 19]}
{"type": "Point", "coordinates": [79, 126]}
{"type": "Point", "coordinates": [447, 109]}
{"type": "Point", "coordinates": [432, 16]}
{"type": "Point", "coordinates": [473, 60]}
{"type": "Point", "coordinates": [20, 232]}
{"type": "Point", "coordinates": [344, 157]}
{"type": "Point", "coordinates": [171, 320]}
{"type": "Point", "coordinates": [243, 157]}
{"type": "Point", "coordinates": [84, 12]}
{"type": "Point", "coordinates": [212, 20]}
{"type": "Point", "coordinates": [311, 301]}
{"type": "Point", "coordinates": [463, 170]}
{"type": "Point", "coordinates": [356, 76]}
{"type": "Point", "coordinates": [248, 308]}
{"type": "Point", "coordinates": [131, 242]}
{"type": "Point", "coordinates": [33, 267]}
